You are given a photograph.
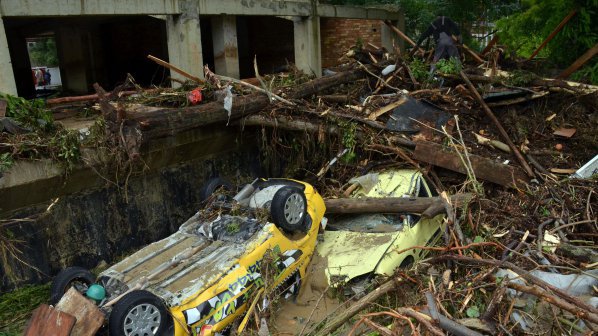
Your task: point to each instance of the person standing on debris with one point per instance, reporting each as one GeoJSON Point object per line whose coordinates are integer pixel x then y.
{"type": "Point", "coordinates": [442, 28]}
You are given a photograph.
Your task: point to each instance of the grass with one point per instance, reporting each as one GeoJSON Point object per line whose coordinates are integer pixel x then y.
{"type": "Point", "coordinates": [16, 307]}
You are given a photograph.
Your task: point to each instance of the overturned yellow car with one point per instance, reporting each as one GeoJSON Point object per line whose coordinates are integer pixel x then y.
{"type": "Point", "coordinates": [355, 246]}
{"type": "Point", "coordinates": [201, 278]}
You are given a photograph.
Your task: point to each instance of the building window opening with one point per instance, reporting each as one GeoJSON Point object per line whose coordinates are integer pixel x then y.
{"type": "Point", "coordinates": [43, 57]}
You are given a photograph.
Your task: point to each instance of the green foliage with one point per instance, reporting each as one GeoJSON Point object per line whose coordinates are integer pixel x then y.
{"type": "Point", "coordinates": [525, 31]}
{"type": "Point", "coordinates": [46, 139]}
{"type": "Point", "coordinates": [65, 148]}
{"type": "Point", "coordinates": [473, 312]}
{"type": "Point", "coordinates": [43, 52]}
{"type": "Point", "coordinates": [29, 113]}
{"type": "Point", "coordinates": [349, 140]}
{"type": "Point", "coordinates": [451, 66]}
{"type": "Point", "coordinates": [419, 69]}
{"type": "Point", "coordinates": [5, 162]}
{"type": "Point", "coordinates": [16, 307]}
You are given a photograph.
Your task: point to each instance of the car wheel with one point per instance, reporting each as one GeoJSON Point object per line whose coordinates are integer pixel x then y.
{"type": "Point", "coordinates": [289, 209]}
{"type": "Point", "coordinates": [407, 262]}
{"type": "Point", "coordinates": [139, 313]}
{"type": "Point", "coordinates": [211, 186]}
{"type": "Point", "coordinates": [77, 277]}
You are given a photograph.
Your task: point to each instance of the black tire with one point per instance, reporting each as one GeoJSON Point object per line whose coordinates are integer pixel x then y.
{"type": "Point", "coordinates": [289, 209]}
{"type": "Point", "coordinates": [211, 186]}
{"type": "Point", "coordinates": [75, 276]}
{"type": "Point", "coordinates": [407, 262]}
{"type": "Point", "coordinates": [155, 319]}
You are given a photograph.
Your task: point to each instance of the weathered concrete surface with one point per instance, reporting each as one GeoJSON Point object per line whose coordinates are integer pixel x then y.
{"type": "Point", "coordinates": [87, 7]}
{"type": "Point", "coordinates": [7, 77]}
{"type": "Point", "coordinates": [307, 45]}
{"type": "Point", "coordinates": [226, 49]}
{"type": "Point", "coordinates": [93, 220]}
{"type": "Point", "coordinates": [184, 41]}
{"type": "Point", "coordinates": [18, 8]}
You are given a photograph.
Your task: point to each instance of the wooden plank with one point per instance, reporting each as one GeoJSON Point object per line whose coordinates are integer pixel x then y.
{"type": "Point", "coordinates": [553, 34]}
{"type": "Point", "coordinates": [485, 169]}
{"type": "Point", "coordinates": [579, 62]}
{"type": "Point", "coordinates": [490, 45]}
{"type": "Point", "coordinates": [47, 321]}
{"type": "Point", "coordinates": [374, 115]}
{"type": "Point", "coordinates": [88, 315]}
{"type": "Point", "coordinates": [402, 35]}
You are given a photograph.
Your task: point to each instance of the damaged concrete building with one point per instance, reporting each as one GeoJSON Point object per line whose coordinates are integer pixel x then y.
{"type": "Point", "coordinates": [103, 40]}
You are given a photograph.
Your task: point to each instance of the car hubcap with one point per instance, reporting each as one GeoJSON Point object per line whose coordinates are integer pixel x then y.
{"type": "Point", "coordinates": [293, 209]}
{"type": "Point", "coordinates": [142, 320]}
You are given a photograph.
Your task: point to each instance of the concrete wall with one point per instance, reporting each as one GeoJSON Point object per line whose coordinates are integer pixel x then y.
{"type": "Point", "coordinates": [339, 35]}
{"type": "Point", "coordinates": [91, 220]}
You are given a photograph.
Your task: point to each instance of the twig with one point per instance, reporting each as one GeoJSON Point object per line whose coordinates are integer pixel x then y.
{"type": "Point", "coordinates": [524, 274]}
{"type": "Point", "coordinates": [270, 94]}
{"type": "Point", "coordinates": [175, 69]}
{"type": "Point", "coordinates": [499, 126]}
{"type": "Point", "coordinates": [313, 310]}
{"type": "Point", "coordinates": [380, 78]}
{"type": "Point", "coordinates": [544, 295]}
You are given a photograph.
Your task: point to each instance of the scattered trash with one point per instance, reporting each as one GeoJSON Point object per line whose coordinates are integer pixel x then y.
{"type": "Point", "coordinates": [587, 170]}
{"type": "Point", "coordinates": [565, 132]}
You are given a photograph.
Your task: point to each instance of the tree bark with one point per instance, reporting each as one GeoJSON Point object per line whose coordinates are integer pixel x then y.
{"type": "Point", "coordinates": [157, 123]}
{"type": "Point", "coordinates": [483, 168]}
{"type": "Point", "coordinates": [392, 204]}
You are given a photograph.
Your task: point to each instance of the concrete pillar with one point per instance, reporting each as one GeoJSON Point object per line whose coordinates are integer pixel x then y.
{"type": "Point", "coordinates": [389, 37]}
{"type": "Point", "coordinates": [226, 49]}
{"type": "Point", "coordinates": [7, 77]}
{"type": "Point", "coordinates": [184, 41]}
{"type": "Point", "coordinates": [73, 53]}
{"type": "Point", "coordinates": [308, 56]}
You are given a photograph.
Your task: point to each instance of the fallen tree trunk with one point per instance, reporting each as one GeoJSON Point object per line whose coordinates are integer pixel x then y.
{"type": "Point", "coordinates": [483, 168]}
{"type": "Point", "coordinates": [393, 204]}
{"type": "Point", "coordinates": [301, 125]}
{"type": "Point", "coordinates": [156, 123]}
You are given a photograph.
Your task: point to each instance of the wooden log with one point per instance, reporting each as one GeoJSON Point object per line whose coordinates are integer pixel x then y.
{"type": "Point", "coordinates": [50, 322]}
{"type": "Point", "coordinates": [483, 168]}
{"type": "Point", "coordinates": [501, 130]}
{"type": "Point", "coordinates": [89, 317]}
{"type": "Point", "coordinates": [157, 123]}
{"type": "Point", "coordinates": [392, 204]}
{"type": "Point", "coordinates": [579, 62]}
{"type": "Point", "coordinates": [337, 99]}
{"type": "Point", "coordinates": [553, 34]}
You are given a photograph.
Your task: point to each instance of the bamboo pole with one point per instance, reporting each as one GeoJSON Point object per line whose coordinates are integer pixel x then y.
{"type": "Point", "coordinates": [553, 34]}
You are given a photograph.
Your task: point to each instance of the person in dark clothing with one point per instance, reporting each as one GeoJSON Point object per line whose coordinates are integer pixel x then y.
{"type": "Point", "coordinates": [442, 28]}
{"type": "Point", "coordinates": [47, 77]}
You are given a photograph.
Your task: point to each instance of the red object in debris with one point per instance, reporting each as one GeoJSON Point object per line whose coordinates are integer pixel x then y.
{"type": "Point", "coordinates": [195, 96]}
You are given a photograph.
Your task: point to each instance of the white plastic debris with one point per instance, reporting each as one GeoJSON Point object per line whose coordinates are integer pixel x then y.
{"type": "Point", "coordinates": [228, 101]}
{"type": "Point", "coordinates": [587, 170]}
{"type": "Point", "coordinates": [367, 182]}
{"type": "Point", "coordinates": [389, 69]}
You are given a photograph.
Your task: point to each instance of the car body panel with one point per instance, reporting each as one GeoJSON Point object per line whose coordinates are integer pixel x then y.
{"type": "Point", "coordinates": [211, 280]}
{"type": "Point", "coordinates": [368, 243]}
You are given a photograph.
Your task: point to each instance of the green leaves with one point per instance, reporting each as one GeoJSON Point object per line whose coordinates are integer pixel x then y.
{"type": "Point", "coordinates": [473, 312]}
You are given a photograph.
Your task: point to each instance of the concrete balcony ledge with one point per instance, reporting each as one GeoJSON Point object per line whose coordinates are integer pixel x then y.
{"type": "Point", "coordinates": [57, 8]}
